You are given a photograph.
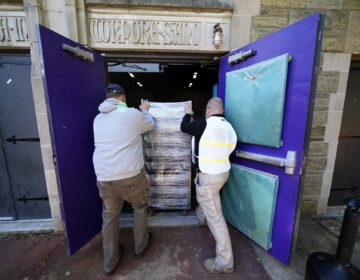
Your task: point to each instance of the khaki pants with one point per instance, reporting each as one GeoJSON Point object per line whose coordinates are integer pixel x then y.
{"type": "Point", "coordinates": [208, 187]}
{"type": "Point", "coordinates": [135, 190]}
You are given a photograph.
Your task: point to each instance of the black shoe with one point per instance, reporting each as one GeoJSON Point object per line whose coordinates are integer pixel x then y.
{"type": "Point", "coordinates": [142, 253]}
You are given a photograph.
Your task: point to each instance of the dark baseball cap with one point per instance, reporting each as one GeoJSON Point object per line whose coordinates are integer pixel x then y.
{"type": "Point", "coordinates": [114, 89]}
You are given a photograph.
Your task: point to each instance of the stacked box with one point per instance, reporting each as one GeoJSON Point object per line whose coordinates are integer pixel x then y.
{"type": "Point", "coordinates": [168, 158]}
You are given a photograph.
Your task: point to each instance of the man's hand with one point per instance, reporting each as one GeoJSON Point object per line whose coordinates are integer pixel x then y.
{"type": "Point", "coordinates": [188, 109]}
{"type": "Point", "coordinates": [145, 105]}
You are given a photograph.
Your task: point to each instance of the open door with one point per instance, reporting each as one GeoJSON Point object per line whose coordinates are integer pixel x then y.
{"type": "Point", "coordinates": [74, 83]}
{"type": "Point", "coordinates": [268, 89]}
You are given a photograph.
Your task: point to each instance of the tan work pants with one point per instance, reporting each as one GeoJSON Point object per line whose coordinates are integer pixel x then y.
{"type": "Point", "coordinates": [135, 190]}
{"type": "Point", "coordinates": [208, 187]}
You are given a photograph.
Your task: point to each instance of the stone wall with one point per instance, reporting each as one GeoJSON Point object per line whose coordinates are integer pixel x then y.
{"type": "Point", "coordinates": [341, 38]}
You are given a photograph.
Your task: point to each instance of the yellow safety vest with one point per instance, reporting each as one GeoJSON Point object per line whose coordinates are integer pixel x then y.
{"type": "Point", "coordinates": [216, 144]}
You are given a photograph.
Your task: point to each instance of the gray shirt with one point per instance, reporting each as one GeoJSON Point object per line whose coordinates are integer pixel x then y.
{"type": "Point", "coordinates": [118, 140]}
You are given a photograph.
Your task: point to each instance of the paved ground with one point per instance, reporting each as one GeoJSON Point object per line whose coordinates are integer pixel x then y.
{"type": "Point", "coordinates": [175, 253]}
{"type": "Point", "coordinates": [319, 234]}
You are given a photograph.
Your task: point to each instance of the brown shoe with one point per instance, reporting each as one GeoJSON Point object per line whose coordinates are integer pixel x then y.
{"type": "Point", "coordinates": [211, 266]}
{"type": "Point", "coordinates": [142, 253]}
{"type": "Point", "coordinates": [112, 271]}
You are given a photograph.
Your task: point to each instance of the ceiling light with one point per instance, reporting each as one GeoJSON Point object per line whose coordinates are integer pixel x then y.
{"type": "Point", "coordinates": [131, 75]}
{"type": "Point", "coordinates": [140, 85]}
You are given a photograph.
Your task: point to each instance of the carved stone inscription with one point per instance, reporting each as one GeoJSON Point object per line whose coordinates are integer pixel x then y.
{"type": "Point", "coordinates": [149, 30]}
{"type": "Point", "coordinates": [145, 32]}
{"type": "Point", "coordinates": [13, 31]}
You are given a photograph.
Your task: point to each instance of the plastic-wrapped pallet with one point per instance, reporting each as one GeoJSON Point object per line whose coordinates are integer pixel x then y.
{"type": "Point", "coordinates": [167, 158]}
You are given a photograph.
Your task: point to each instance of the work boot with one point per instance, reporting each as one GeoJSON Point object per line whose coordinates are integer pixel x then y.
{"type": "Point", "coordinates": [142, 253]}
{"type": "Point", "coordinates": [211, 266]}
{"type": "Point", "coordinates": [112, 271]}
{"type": "Point", "coordinates": [200, 215]}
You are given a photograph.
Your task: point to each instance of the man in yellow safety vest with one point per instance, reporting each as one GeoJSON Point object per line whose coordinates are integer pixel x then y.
{"type": "Point", "coordinates": [215, 139]}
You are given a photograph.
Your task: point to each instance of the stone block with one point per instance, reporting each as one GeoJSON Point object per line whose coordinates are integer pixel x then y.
{"type": "Point", "coordinates": [343, 79]}
{"type": "Point", "coordinates": [297, 14]}
{"type": "Point", "coordinates": [260, 32]}
{"type": "Point", "coordinates": [318, 163]}
{"type": "Point", "coordinates": [240, 35]}
{"type": "Point", "coordinates": [320, 118]}
{"type": "Point", "coordinates": [352, 4]}
{"type": "Point", "coordinates": [333, 126]}
{"type": "Point", "coordinates": [47, 157]}
{"type": "Point", "coordinates": [317, 133]}
{"type": "Point", "coordinates": [270, 21]}
{"type": "Point", "coordinates": [246, 8]}
{"type": "Point", "coordinates": [336, 23]}
{"type": "Point", "coordinates": [328, 82]}
{"type": "Point", "coordinates": [297, 3]}
{"type": "Point", "coordinates": [313, 181]}
{"type": "Point", "coordinates": [321, 104]}
{"type": "Point", "coordinates": [336, 102]}
{"type": "Point", "coordinates": [275, 3]}
{"type": "Point", "coordinates": [308, 207]}
{"type": "Point", "coordinates": [43, 127]}
{"type": "Point", "coordinates": [352, 43]}
{"type": "Point", "coordinates": [333, 44]}
{"type": "Point", "coordinates": [324, 4]}
{"type": "Point", "coordinates": [55, 5]}
{"type": "Point", "coordinates": [317, 148]}
{"type": "Point", "coordinates": [331, 156]}
{"type": "Point", "coordinates": [274, 11]}
{"type": "Point", "coordinates": [51, 183]}
{"type": "Point", "coordinates": [336, 62]}
{"type": "Point", "coordinates": [38, 95]}
{"type": "Point", "coordinates": [312, 191]}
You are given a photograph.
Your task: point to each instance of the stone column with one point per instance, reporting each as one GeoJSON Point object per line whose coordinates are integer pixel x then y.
{"type": "Point", "coordinates": [36, 13]}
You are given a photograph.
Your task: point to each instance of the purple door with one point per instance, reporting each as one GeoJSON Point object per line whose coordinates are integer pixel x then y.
{"type": "Point", "coordinates": [74, 87]}
{"type": "Point", "coordinates": [261, 196]}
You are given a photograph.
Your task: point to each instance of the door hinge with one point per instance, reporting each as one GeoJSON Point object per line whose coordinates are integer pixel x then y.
{"type": "Point", "coordinates": [25, 199]}
{"type": "Point", "coordinates": [241, 56]}
{"type": "Point", "coordinates": [14, 140]}
{"type": "Point", "coordinates": [77, 52]}
{"type": "Point", "coordinates": [54, 159]}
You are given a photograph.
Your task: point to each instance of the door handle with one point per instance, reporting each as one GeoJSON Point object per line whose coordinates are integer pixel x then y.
{"type": "Point", "coordinates": [289, 162]}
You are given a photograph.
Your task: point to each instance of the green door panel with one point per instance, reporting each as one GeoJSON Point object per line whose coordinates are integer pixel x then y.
{"type": "Point", "coordinates": [254, 101]}
{"type": "Point", "coordinates": [248, 201]}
